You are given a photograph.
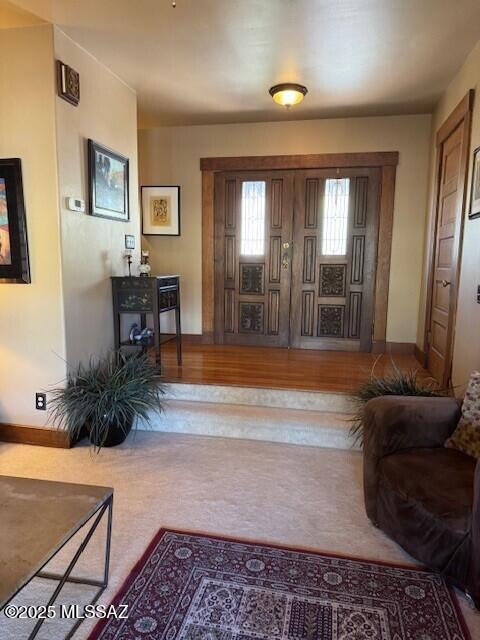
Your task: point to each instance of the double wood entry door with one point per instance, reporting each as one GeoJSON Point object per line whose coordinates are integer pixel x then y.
{"type": "Point", "coordinates": [295, 256]}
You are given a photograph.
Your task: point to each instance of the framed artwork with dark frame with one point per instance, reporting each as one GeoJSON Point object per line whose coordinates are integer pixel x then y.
{"type": "Point", "coordinates": [68, 83]}
{"type": "Point", "coordinates": [107, 183]}
{"type": "Point", "coordinates": [475, 192]}
{"type": "Point", "coordinates": [14, 260]}
{"type": "Point", "coordinates": [160, 210]}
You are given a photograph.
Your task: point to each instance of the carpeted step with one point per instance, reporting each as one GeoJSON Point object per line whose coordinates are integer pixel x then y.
{"type": "Point", "coordinates": [258, 397]}
{"type": "Point", "coordinates": [292, 426]}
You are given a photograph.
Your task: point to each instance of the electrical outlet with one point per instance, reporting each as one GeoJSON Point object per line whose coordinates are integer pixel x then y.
{"type": "Point", "coordinates": [41, 401]}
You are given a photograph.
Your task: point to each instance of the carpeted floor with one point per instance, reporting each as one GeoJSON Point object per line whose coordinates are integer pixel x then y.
{"type": "Point", "coordinates": [288, 495]}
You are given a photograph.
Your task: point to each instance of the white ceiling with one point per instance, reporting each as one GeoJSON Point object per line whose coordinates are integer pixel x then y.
{"type": "Point", "coordinates": [210, 61]}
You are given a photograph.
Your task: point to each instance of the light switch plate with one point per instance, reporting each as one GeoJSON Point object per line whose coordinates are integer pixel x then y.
{"type": "Point", "coordinates": [129, 242]}
{"type": "Point", "coordinates": [76, 204]}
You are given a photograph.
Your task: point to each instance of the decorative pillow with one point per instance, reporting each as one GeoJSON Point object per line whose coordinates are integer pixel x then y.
{"type": "Point", "coordinates": [466, 436]}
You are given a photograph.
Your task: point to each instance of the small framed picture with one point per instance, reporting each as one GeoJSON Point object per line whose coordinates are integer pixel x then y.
{"type": "Point", "coordinates": [108, 183]}
{"type": "Point", "coordinates": [129, 241]}
{"type": "Point", "coordinates": [14, 262]}
{"type": "Point", "coordinates": [161, 210]}
{"type": "Point", "coordinates": [475, 195]}
{"type": "Point", "coordinates": [68, 83]}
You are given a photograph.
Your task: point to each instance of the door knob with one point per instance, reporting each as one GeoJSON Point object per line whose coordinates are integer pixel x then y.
{"type": "Point", "coordinates": [287, 250]}
{"type": "Point", "coordinates": [446, 283]}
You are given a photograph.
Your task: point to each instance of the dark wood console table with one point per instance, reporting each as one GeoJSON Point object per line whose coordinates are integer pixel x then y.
{"type": "Point", "coordinates": [147, 295]}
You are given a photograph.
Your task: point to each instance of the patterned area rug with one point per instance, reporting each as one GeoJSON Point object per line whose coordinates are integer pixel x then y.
{"type": "Point", "coordinates": [196, 587]}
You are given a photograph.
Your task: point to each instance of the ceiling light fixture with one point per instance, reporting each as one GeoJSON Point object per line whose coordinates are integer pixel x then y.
{"type": "Point", "coordinates": [288, 94]}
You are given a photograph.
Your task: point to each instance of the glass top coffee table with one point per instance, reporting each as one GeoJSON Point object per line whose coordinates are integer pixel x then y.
{"type": "Point", "coordinates": [37, 519]}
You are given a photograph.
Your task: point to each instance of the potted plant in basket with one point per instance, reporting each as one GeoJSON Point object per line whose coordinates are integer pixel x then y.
{"type": "Point", "coordinates": [106, 397]}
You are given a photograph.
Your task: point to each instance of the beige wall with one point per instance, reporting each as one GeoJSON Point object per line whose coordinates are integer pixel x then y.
{"type": "Point", "coordinates": [12, 17]}
{"type": "Point", "coordinates": [172, 155]}
{"type": "Point", "coordinates": [467, 331]}
{"type": "Point", "coordinates": [92, 247]}
{"type": "Point", "coordinates": [65, 313]}
{"type": "Point", "coordinates": [32, 341]}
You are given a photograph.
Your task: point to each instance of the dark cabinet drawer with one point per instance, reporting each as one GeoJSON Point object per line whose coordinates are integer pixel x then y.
{"type": "Point", "coordinates": [167, 282]}
{"type": "Point", "coordinates": [135, 301]}
{"type": "Point", "coordinates": [137, 294]}
{"type": "Point", "coordinates": [133, 283]}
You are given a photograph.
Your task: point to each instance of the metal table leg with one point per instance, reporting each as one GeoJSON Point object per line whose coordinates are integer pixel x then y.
{"type": "Point", "coordinates": [107, 508]}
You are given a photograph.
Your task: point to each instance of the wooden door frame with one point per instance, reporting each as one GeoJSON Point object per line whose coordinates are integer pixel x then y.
{"type": "Point", "coordinates": [462, 112]}
{"type": "Point", "coordinates": [386, 161]}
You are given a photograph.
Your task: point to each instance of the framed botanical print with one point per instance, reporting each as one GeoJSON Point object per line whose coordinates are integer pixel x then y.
{"type": "Point", "coordinates": [108, 183]}
{"type": "Point", "coordinates": [14, 261]}
{"type": "Point", "coordinates": [161, 210]}
{"type": "Point", "coordinates": [475, 193]}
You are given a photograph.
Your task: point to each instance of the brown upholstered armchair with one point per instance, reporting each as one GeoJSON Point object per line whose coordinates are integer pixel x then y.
{"type": "Point", "coordinates": [426, 497]}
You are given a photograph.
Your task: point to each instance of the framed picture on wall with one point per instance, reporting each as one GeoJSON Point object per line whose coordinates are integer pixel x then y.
{"type": "Point", "coordinates": [14, 261]}
{"type": "Point", "coordinates": [161, 210]}
{"type": "Point", "coordinates": [107, 183]}
{"type": "Point", "coordinates": [475, 195]}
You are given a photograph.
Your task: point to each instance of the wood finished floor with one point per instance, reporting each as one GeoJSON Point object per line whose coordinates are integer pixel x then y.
{"type": "Point", "coordinates": [278, 368]}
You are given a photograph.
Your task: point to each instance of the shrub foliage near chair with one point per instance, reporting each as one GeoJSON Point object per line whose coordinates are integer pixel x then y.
{"type": "Point", "coordinates": [398, 383]}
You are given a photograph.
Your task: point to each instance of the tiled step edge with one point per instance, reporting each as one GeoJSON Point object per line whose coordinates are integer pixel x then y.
{"type": "Point", "coordinates": [258, 397]}
{"type": "Point", "coordinates": [313, 428]}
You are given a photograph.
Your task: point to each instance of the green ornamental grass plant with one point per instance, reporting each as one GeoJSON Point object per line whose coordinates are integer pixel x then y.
{"type": "Point", "coordinates": [398, 383]}
{"type": "Point", "coordinates": [106, 398]}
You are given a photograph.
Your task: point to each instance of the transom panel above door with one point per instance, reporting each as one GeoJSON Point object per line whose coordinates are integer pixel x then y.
{"type": "Point", "coordinates": [253, 234]}
{"type": "Point", "coordinates": [334, 258]}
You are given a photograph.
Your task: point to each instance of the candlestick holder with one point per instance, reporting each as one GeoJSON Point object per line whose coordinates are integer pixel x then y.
{"type": "Point", "coordinates": [128, 258]}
